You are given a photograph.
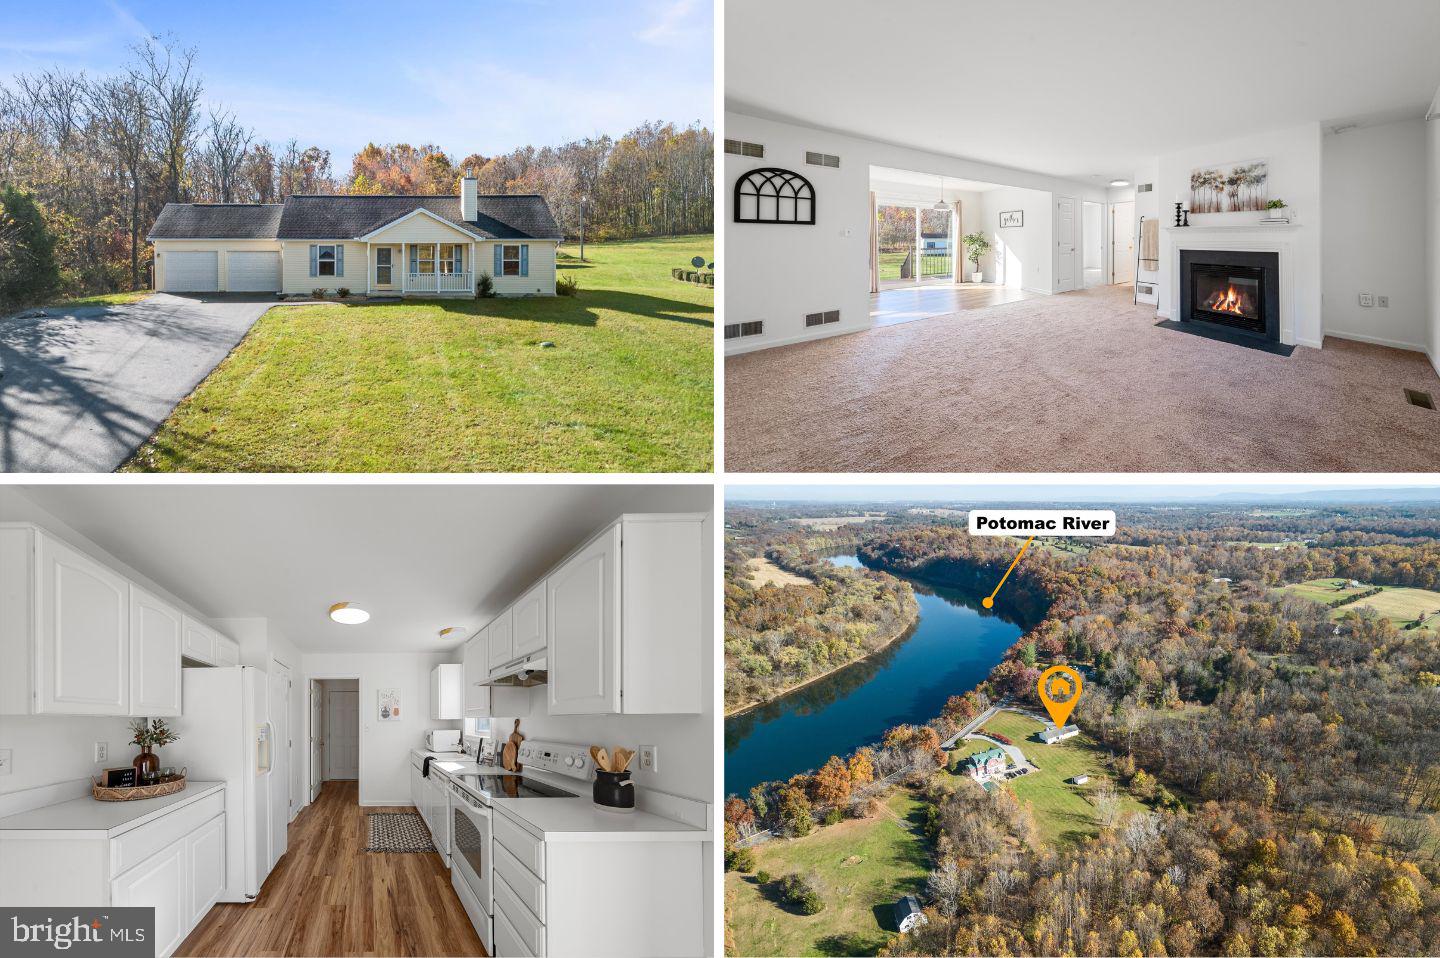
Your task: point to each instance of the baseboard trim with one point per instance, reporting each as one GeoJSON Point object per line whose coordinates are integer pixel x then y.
{"type": "Point", "coordinates": [1376, 340]}
{"type": "Point", "coordinates": [791, 340]}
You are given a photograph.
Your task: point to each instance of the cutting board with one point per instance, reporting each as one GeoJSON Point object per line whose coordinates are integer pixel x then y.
{"type": "Point", "coordinates": [510, 754]}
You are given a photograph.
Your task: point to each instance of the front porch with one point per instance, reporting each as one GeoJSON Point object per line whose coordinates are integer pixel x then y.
{"type": "Point", "coordinates": [421, 269]}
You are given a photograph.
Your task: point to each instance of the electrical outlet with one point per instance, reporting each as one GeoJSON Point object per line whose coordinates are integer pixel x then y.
{"type": "Point", "coordinates": [1382, 301]}
{"type": "Point", "coordinates": [102, 751]}
{"type": "Point", "coordinates": [649, 758]}
{"type": "Point", "coordinates": [1367, 300]}
{"type": "Point", "coordinates": [5, 761]}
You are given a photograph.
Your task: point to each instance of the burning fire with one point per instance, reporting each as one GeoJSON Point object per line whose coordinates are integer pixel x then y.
{"type": "Point", "coordinates": [1231, 300]}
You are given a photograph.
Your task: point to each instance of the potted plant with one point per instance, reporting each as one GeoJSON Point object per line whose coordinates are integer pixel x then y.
{"type": "Point", "coordinates": [976, 246]}
{"type": "Point", "coordinates": [1276, 209]}
{"type": "Point", "coordinates": [149, 734]}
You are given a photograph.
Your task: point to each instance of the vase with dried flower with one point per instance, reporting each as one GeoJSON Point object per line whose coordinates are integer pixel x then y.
{"type": "Point", "coordinates": [149, 734]}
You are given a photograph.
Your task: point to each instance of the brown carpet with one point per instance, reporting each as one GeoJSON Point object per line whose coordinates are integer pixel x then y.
{"type": "Point", "coordinates": [1080, 382]}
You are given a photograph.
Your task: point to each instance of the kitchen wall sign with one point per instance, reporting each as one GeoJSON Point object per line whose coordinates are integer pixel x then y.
{"type": "Point", "coordinates": [773, 195]}
{"type": "Point", "coordinates": [1011, 218]}
{"type": "Point", "coordinates": [389, 705]}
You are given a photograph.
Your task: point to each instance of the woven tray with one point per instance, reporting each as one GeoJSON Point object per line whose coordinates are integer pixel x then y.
{"type": "Point", "coordinates": [136, 792]}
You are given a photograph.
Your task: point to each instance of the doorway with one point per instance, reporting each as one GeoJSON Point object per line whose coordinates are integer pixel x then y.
{"type": "Point", "coordinates": [1092, 249]}
{"type": "Point", "coordinates": [280, 811]}
{"type": "Point", "coordinates": [1122, 239]}
{"type": "Point", "coordinates": [1066, 243]}
{"type": "Point", "coordinates": [337, 757]}
{"type": "Point", "coordinates": [916, 245]}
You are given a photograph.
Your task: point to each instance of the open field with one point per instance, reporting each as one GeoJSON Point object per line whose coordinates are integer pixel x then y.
{"type": "Point", "coordinates": [831, 523]}
{"type": "Point", "coordinates": [1400, 605]}
{"type": "Point", "coordinates": [465, 385]}
{"type": "Point", "coordinates": [1284, 544]}
{"type": "Point", "coordinates": [1063, 812]}
{"type": "Point", "coordinates": [1323, 590]}
{"type": "Point", "coordinates": [765, 572]}
{"type": "Point", "coordinates": [865, 866]}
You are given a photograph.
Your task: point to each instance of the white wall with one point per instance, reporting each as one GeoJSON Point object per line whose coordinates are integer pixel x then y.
{"type": "Point", "coordinates": [384, 746]}
{"type": "Point", "coordinates": [54, 750]}
{"type": "Point", "coordinates": [779, 273]}
{"type": "Point", "coordinates": [1148, 205]}
{"type": "Point", "coordinates": [1375, 233]}
{"type": "Point", "coordinates": [1294, 155]}
{"type": "Point", "coordinates": [1432, 178]}
{"type": "Point", "coordinates": [1020, 255]}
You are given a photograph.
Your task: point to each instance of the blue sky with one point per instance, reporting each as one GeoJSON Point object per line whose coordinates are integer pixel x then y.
{"type": "Point", "coordinates": [474, 76]}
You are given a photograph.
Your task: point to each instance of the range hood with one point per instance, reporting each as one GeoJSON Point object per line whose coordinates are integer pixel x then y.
{"type": "Point", "coordinates": [521, 675]}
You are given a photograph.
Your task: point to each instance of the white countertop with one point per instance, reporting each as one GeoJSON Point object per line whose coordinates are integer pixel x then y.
{"type": "Point", "coordinates": [90, 818]}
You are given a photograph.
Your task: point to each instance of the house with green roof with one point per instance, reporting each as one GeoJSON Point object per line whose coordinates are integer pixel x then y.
{"type": "Point", "coordinates": [982, 766]}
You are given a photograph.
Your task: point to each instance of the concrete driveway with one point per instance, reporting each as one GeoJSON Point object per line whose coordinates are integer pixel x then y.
{"type": "Point", "coordinates": [81, 389]}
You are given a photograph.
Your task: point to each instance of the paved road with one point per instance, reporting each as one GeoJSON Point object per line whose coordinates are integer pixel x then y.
{"type": "Point", "coordinates": [81, 389]}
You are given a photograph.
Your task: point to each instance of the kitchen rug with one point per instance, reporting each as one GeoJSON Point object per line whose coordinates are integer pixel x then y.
{"type": "Point", "coordinates": [398, 832]}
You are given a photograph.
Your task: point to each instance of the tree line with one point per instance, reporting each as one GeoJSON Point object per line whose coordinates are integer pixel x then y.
{"type": "Point", "coordinates": [87, 162]}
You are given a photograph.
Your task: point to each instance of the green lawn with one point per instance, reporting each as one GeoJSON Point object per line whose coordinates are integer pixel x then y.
{"type": "Point", "coordinates": [465, 386]}
{"type": "Point", "coordinates": [1400, 605]}
{"type": "Point", "coordinates": [864, 865]}
{"type": "Point", "coordinates": [103, 299]}
{"type": "Point", "coordinates": [1062, 811]}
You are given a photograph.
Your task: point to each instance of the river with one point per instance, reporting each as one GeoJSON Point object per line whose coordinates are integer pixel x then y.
{"type": "Point", "coordinates": [952, 646]}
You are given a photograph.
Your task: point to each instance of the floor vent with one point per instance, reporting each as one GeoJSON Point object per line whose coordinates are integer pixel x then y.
{"type": "Point", "coordinates": [738, 330]}
{"type": "Point", "coordinates": [1416, 398]}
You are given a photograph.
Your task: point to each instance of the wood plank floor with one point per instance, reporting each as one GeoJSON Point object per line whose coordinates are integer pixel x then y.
{"type": "Point", "coordinates": [328, 896]}
{"type": "Point", "coordinates": [892, 306]}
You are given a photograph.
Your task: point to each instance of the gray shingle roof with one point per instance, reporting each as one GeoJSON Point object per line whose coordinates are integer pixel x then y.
{"type": "Point", "coordinates": [217, 221]}
{"type": "Point", "coordinates": [343, 217]}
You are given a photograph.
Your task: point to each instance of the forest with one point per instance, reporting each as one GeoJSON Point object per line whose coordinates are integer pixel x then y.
{"type": "Point", "coordinates": [1288, 763]}
{"type": "Point", "coordinates": [87, 162]}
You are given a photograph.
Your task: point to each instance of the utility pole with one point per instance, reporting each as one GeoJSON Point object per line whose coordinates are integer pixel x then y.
{"type": "Point", "coordinates": [583, 201]}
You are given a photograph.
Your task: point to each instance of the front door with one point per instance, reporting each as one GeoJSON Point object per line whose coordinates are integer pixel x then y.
{"type": "Point", "coordinates": [1065, 252]}
{"type": "Point", "coordinates": [384, 268]}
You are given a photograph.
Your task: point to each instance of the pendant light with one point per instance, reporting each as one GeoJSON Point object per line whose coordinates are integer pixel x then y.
{"type": "Point", "coordinates": [940, 205]}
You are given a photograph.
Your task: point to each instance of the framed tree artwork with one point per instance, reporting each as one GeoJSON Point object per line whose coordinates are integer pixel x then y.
{"type": "Point", "coordinates": [1230, 188]}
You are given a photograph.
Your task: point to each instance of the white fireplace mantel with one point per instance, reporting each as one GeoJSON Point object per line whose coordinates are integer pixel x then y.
{"type": "Point", "coordinates": [1250, 238]}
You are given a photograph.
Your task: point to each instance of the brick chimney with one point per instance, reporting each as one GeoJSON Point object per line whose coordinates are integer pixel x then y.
{"type": "Point", "coordinates": [469, 198]}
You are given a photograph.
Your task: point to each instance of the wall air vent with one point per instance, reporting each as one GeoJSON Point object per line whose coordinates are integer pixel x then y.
{"type": "Point", "coordinates": [739, 330]}
{"type": "Point", "coordinates": [822, 319]}
{"type": "Point", "coordinates": [822, 159]}
{"type": "Point", "coordinates": [741, 148]}
{"type": "Point", "coordinates": [1145, 289]}
{"type": "Point", "coordinates": [1144, 187]}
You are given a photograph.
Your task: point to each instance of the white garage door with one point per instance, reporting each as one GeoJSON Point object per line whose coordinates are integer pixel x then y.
{"type": "Point", "coordinates": [192, 272]}
{"type": "Point", "coordinates": [253, 272]}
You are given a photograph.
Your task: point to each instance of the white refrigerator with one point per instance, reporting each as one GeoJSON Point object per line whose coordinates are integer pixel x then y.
{"type": "Point", "coordinates": [225, 735]}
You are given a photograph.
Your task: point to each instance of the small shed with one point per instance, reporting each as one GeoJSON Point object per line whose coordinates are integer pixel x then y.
{"type": "Point", "coordinates": [908, 914]}
{"type": "Point", "coordinates": [1050, 734]}
{"type": "Point", "coordinates": [1080, 779]}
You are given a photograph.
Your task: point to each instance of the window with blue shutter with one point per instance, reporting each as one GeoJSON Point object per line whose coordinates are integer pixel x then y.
{"type": "Point", "coordinates": [525, 260]}
{"type": "Point", "coordinates": [339, 261]}
{"type": "Point", "coordinates": [512, 259]}
{"type": "Point", "coordinates": [499, 261]}
{"type": "Point", "coordinates": [314, 260]}
{"type": "Point", "coordinates": [325, 260]}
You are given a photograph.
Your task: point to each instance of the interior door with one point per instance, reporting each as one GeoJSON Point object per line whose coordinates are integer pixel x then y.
{"type": "Point", "coordinates": [1122, 238]}
{"type": "Point", "coordinates": [1066, 265]}
{"type": "Point", "coordinates": [280, 760]}
{"type": "Point", "coordinates": [317, 738]}
{"type": "Point", "coordinates": [342, 723]}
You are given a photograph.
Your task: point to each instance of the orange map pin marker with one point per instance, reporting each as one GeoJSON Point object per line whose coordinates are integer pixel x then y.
{"type": "Point", "coordinates": [1060, 689]}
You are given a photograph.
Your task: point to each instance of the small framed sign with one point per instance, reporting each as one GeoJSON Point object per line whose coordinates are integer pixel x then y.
{"type": "Point", "coordinates": [389, 705]}
{"type": "Point", "coordinates": [1012, 218]}
{"type": "Point", "coordinates": [120, 777]}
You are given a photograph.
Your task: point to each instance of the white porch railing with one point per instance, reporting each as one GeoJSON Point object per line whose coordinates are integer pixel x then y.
{"type": "Point", "coordinates": [439, 282]}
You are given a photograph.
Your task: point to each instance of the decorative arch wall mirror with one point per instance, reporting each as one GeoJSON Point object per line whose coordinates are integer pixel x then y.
{"type": "Point", "coordinates": [772, 195]}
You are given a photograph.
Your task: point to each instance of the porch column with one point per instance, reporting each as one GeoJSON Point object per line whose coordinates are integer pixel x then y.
{"type": "Point", "coordinates": [436, 274]}
{"type": "Point", "coordinates": [404, 268]}
{"type": "Point", "coordinates": [473, 275]}
{"type": "Point", "coordinates": [369, 266]}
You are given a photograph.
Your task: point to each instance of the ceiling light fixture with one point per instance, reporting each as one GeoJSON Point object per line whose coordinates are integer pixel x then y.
{"type": "Point", "coordinates": [1119, 182]}
{"type": "Point", "coordinates": [447, 632]}
{"type": "Point", "coordinates": [940, 205]}
{"type": "Point", "coordinates": [347, 614]}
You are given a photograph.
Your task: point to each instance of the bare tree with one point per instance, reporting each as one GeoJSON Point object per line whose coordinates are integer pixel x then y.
{"type": "Point", "coordinates": [225, 153]}
{"type": "Point", "coordinates": [169, 75]}
{"type": "Point", "coordinates": [122, 111]}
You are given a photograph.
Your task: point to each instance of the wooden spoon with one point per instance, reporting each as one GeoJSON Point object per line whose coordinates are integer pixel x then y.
{"type": "Point", "coordinates": [622, 758]}
{"type": "Point", "coordinates": [601, 759]}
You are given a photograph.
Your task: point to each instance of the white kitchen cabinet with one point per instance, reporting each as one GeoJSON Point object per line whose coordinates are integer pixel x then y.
{"type": "Point", "coordinates": [527, 622]}
{"type": "Point", "coordinates": [475, 669]}
{"type": "Point", "coordinates": [501, 640]}
{"type": "Point", "coordinates": [447, 689]}
{"type": "Point", "coordinates": [199, 641]}
{"type": "Point", "coordinates": [624, 620]}
{"type": "Point", "coordinates": [155, 641]}
{"type": "Point", "coordinates": [206, 849]}
{"type": "Point", "coordinates": [160, 882]}
{"type": "Point", "coordinates": [227, 650]}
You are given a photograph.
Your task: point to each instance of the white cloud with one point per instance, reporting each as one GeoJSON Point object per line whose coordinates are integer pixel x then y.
{"type": "Point", "coordinates": [674, 21]}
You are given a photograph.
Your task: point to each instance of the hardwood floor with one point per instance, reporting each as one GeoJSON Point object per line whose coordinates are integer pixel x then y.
{"type": "Point", "coordinates": [892, 306]}
{"type": "Point", "coordinates": [328, 896]}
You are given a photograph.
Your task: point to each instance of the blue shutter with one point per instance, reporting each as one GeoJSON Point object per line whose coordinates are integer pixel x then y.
{"type": "Point", "coordinates": [339, 260]}
{"type": "Point", "coordinates": [314, 260]}
{"type": "Point", "coordinates": [525, 259]}
{"type": "Point", "coordinates": [499, 261]}
{"type": "Point", "coordinates": [414, 253]}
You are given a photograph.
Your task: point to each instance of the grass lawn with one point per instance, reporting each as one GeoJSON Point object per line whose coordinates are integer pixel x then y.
{"type": "Point", "coordinates": [1323, 590]}
{"type": "Point", "coordinates": [864, 865]}
{"type": "Point", "coordinates": [464, 385]}
{"type": "Point", "coordinates": [1285, 544]}
{"type": "Point", "coordinates": [103, 299]}
{"type": "Point", "coordinates": [1062, 811]}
